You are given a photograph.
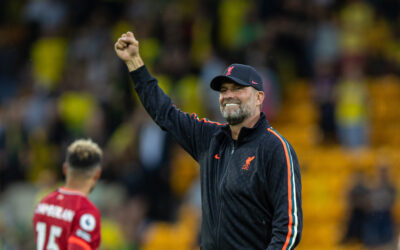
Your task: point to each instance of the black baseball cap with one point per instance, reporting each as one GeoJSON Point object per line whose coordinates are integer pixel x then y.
{"type": "Point", "coordinates": [241, 74]}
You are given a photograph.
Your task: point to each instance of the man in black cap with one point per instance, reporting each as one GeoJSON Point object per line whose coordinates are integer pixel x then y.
{"type": "Point", "coordinates": [250, 176]}
{"type": "Point", "coordinates": [239, 104]}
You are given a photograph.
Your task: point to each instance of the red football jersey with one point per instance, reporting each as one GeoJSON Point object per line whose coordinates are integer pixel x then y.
{"type": "Point", "coordinates": [66, 216]}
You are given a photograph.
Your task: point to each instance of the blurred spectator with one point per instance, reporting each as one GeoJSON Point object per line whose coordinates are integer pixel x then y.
{"type": "Point", "coordinates": [358, 204]}
{"type": "Point", "coordinates": [324, 94]}
{"type": "Point", "coordinates": [351, 105]}
{"type": "Point", "coordinates": [371, 204]}
{"type": "Point", "coordinates": [356, 18]}
{"type": "Point", "coordinates": [232, 15]}
{"type": "Point", "coordinates": [256, 55]}
{"type": "Point", "coordinates": [49, 15]}
{"type": "Point", "coordinates": [76, 109]}
{"type": "Point", "coordinates": [379, 228]}
{"type": "Point", "coordinates": [211, 67]}
{"type": "Point", "coordinates": [11, 53]}
{"type": "Point", "coordinates": [48, 58]}
{"type": "Point", "coordinates": [325, 41]}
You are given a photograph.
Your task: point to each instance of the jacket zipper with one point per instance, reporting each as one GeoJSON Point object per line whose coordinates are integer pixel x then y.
{"type": "Point", "coordinates": [222, 201]}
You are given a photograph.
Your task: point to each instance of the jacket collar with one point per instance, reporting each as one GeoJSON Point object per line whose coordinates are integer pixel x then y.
{"type": "Point", "coordinates": [248, 134]}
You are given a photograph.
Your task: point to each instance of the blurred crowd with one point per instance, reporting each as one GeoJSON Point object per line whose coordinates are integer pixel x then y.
{"type": "Point", "coordinates": [370, 219]}
{"type": "Point", "coordinates": [61, 80]}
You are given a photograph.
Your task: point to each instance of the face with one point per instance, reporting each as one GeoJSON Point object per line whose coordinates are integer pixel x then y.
{"type": "Point", "coordinates": [237, 102]}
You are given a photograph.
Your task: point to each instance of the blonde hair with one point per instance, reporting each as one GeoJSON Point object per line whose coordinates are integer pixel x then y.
{"type": "Point", "coordinates": [84, 154]}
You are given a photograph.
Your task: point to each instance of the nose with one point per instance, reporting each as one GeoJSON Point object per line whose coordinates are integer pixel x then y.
{"type": "Point", "coordinates": [227, 94]}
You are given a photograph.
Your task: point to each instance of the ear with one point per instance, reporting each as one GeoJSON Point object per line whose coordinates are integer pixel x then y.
{"type": "Point", "coordinates": [65, 169]}
{"type": "Point", "coordinates": [97, 174]}
{"type": "Point", "coordinates": [259, 98]}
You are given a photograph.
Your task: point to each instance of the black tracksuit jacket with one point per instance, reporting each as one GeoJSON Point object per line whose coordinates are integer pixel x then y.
{"type": "Point", "coordinates": [250, 188]}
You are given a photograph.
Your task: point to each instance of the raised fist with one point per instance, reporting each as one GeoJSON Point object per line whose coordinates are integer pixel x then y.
{"type": "Point", "coordinates": [127, 47]}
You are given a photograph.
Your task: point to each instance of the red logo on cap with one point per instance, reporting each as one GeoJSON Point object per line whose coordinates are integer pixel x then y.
{"type": "Point", "coordinates": [253, 82]}
{"type": "Point", "coordinates": [228, 72]}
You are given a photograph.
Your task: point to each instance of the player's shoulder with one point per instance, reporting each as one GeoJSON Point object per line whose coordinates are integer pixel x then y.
{"type": "Point", "coordinates": [276, 138]}
{"type": "Point", "coordinates": [50, 195]}
{"type": "Point", "coordinates": [86, 224]}
{"type": "Point", "coordinates": [274, 141]}
{"type": "Point", "coordinates": [49, 198]}
{"type": "Point", "coordinates": [88, 207]}
{"type": "Point", "coordinates": [88, 220]}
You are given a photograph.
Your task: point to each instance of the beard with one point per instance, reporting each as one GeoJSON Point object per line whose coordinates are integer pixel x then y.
{"type": "Point", "coordinates": [237, 116]}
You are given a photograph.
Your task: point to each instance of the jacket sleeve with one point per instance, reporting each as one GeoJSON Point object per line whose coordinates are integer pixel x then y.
{"type": "Point", "coordinates": [85, 230]}
{"type": "Point", "coordinates": [284, 185]}
{"type": "Point", "coordinates": [189, 131]}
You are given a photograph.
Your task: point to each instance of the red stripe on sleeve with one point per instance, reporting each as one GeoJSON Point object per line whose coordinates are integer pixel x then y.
{"type": "Point", "coordinates": [289, 190]}
{"type": "Point", "coordinates": [75, 243]}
